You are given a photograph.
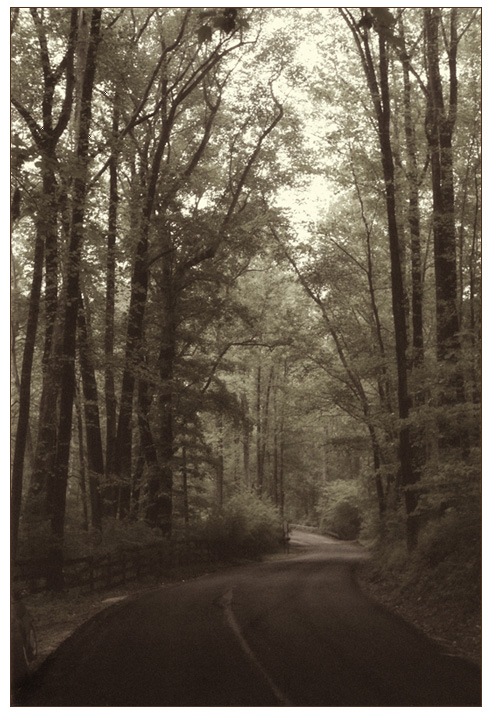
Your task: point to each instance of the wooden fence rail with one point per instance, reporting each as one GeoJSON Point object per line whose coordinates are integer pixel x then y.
{"type": "Point", "coordinates": [93, 573]}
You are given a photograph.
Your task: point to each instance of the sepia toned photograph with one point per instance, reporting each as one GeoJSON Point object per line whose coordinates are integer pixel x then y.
{"type": "Point", "coordinates": [245, 357]}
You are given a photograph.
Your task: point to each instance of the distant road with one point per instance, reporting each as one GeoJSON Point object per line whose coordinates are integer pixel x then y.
{"type": "Point", "coordinates": [290, 632]}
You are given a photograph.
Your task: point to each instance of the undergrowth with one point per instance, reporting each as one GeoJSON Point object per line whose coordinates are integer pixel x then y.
{"type": "Point", "coordinates": [438, 585]}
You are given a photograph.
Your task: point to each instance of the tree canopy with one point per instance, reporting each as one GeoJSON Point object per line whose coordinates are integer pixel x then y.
{"type": "Point", "coordinates": [245, 250]}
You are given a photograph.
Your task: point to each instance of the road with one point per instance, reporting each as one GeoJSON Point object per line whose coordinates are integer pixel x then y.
{"type": "Point", "coordinates": [290, 632]}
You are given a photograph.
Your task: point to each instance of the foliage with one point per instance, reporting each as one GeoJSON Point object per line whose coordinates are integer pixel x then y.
{"type": "Point", "coordinates": [445, 569]}
{"type": "Point", "coordinates": [246, 526]}
{"type": "Point", "coordinates": [339, 509]}
{"type": "Point", "coordinates": [234, 267]}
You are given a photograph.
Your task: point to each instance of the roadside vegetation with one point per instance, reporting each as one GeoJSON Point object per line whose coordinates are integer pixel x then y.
{"type": "Point", "coordinates": [441, 597]}
{"type": "Point", "coordinates": [246, 286]}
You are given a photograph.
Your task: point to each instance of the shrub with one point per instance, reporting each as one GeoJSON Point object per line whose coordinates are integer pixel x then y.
{"type": "Point", "coordinates": [245, 526]}
{"type": "Point", "coordinates": [346, 520]}
{"type": "Point", "coordinates": [339, 509]}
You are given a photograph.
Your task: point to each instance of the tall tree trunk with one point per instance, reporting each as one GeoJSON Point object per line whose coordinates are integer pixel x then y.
{"type": "Point", "coordinates": [82, 472]}
{"type": "Point", "coordinates": [109, 385]}
{"type": "Point", "coordinates": [281, 475]}
{"type": "Point", "coordinates": [135, 326]}
{"type": "Point", "coordinates": [95, 458]}
{"type": "Point", "coordinates": [413, 180]}
{"type": "Point", "coordinates": [46, 438]}
{"type": "Point", "coordinates": [167, 357]}
{"type": "Point", "coordinates": [22, 432]}
{"type": "Point", "coordinates": [67, 387]}
{"type": "Point", "coordinates": [275, 409]}
{"type": "Point", "coordinates": [409, 476]}
{"type": "Point", "coordinates": [376, 463]}
{"type": "Point", "coordinates": [39, 497]}
{"type": "Point", "coordinates": [123, 454]}
{"type": "Point", "coordinates": [440, 127]}
{"type": "Point", "coordinates": [220, 461]}
{"type": "Point", "coordinates": [147, 444]}
{"type": "Point", "coordinates": [184, 471]}
{"type": "Point", "coordinates": [259, 436]}
{"type": "Point", "coordinates": [246, 430]}
{"type": "Point", "coordinates": [382, 108]}
{"type": "Point", "coordinates": [265, 423]}
{"type": "Point", "coordinates": [17, 381]}
{"type": "Point", "coordinates": [46, 138]}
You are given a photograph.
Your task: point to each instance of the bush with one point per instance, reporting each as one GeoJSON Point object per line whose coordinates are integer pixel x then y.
{"type": "Point", "coordinates": [339, 509]}
{"type": "Point", "coordinates": [346, 520]}
{"type": "Point", "coordinates": [445, 568]}
{"type": "Point", "coordinates": [245, 526]}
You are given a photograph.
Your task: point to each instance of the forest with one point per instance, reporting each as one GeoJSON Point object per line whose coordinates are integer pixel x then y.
{"type": "Point", "coordinates": [246, 280]}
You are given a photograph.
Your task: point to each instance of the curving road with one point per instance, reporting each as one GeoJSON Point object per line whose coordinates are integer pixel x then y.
{"type": "Point", "coordinates": [290, 632]}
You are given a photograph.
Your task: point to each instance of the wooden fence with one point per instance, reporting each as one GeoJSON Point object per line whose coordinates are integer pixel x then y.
{"type": "Point", "coordinates": [92, 573]}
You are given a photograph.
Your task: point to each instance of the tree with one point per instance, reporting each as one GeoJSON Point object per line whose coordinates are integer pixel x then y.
{"type": "Point", "coordinates": [227, 332]}
{"type": "Point", "coordinates": [46, 137]}
{"type": "Point", "coordinates": [57, 494]}
{"type": "Point", "coordinates": [379, 88]}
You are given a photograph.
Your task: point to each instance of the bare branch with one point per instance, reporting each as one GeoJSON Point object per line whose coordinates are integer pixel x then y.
{"type": "Point", "coordinates": [30, 121]}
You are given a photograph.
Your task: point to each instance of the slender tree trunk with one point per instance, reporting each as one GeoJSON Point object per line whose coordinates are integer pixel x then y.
{"type": "Point", "coordinates": [46, 439]}
{"type": "Point", "coordinates": [274, 483]}
{"type": "Point", "coordinates": [281, 476]}
{"type": "Point", "coordinates": [67, 390]}
{"type": "Point", "coordinates": [167, 357]}
{"type": "Point", "coordinates": [381, 100]}
{"type": "Point", "coordinates": [17, 380]}
{"type": "Point", "coordinates": [82, 473]}
{"type": "Point", "coordinates": [383, 381]}
{"type": "Point", "coordinates": [376, 463]}
{"type": "Point", "coordinates": [95, 456]}
{"type": "Point", "coordinates": [135, 326]}
{"type": "Point", "coordinates": [474, 291]}
{"type": "Point", "coordinates": [184, 470]}
{"type": "Point", "coordinates": [22, 432]}
{"type": "Point", "coordinates": [46, 138]}
{"type": "Point", "coordinates": [413, 219]}
{"type": "Point", "coordinates": [409, 476]}
{"type": "Point", "coordinates": [440, 126]}
{"type": "Point", "coordinates": [246, 440]}
{"type": "Point", "coordinates": [259, 435]}
{"type": "Point", "coordinates": [147, 445]}
{"type": "Point", "coordinates": [48, 218]}
{"type": "Point", "coordinates": [123, 455]}
{"type": "Point", "coordinates": [265, 424]}
{"type": "Point", "coordinates": [109, 385]}
{"type": "Point", "coordinates": [324, 467]}
{"type": "Point", "coordinates": [220, 461]}
{"type": "Point", "coordinates": [39, 497]}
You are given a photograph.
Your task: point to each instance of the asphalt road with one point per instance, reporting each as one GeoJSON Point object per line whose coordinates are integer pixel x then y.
{"type": "Point", "coordinates": [291, 632]}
